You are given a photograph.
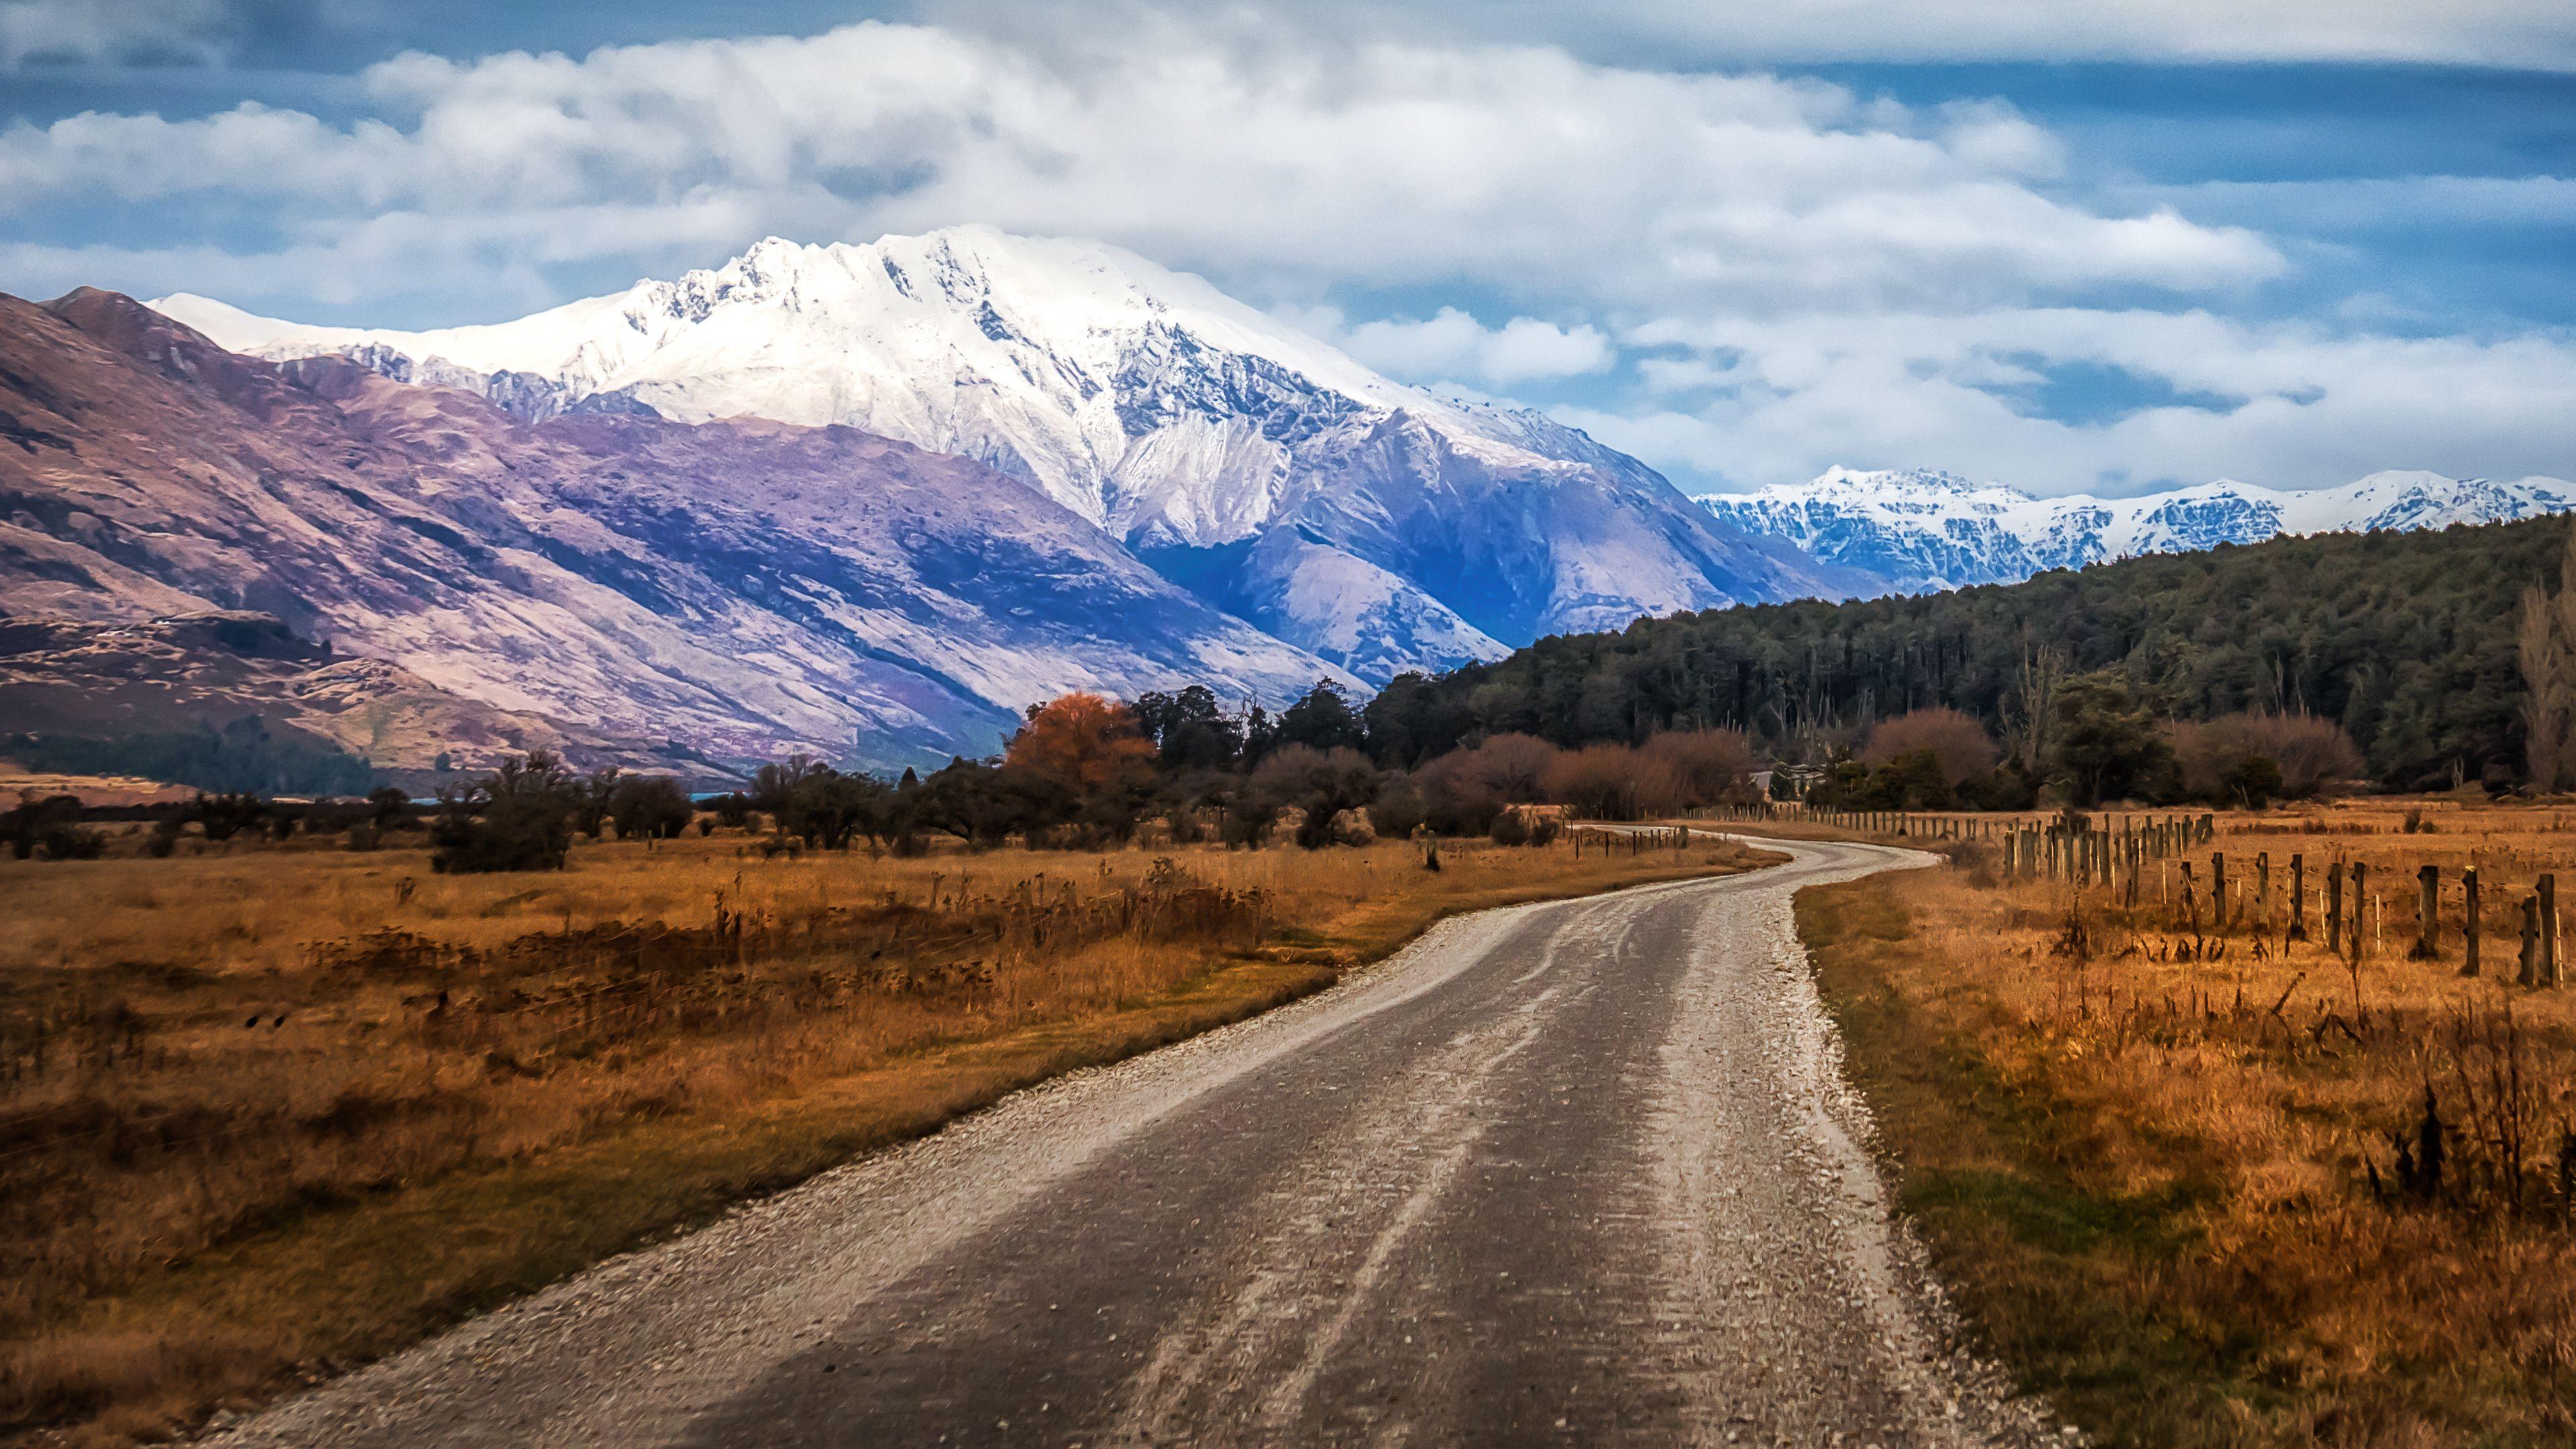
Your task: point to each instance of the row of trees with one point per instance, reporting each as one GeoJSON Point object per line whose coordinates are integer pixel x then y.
{"type": "Point", "coordinates": [54, 827]}
{"type": "Point", "coordinates": [524, 815]}
{"type": "Point", "coordinates": [1088, 771]}
{"type": "Point", "coordinates": [2415, 645]}
{"type": "Point", "coordinates": [1084, 770]}
{"type": "Point", "coordinates": [2100, 743]}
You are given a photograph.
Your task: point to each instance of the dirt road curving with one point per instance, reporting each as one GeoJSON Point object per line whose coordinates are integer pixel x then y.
{"type": "Point", "coordinates": [1573, 1173]}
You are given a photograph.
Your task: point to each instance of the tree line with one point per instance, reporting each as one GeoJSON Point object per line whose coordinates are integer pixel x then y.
{"type": "Point", "coordinates": [2409, 643]}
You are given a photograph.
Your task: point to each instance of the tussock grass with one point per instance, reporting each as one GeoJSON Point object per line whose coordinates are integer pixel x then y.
{"type": "Point", "coordinates": [273, 1111]}
{"type": "Point", "coordinates": [2160, 1167]}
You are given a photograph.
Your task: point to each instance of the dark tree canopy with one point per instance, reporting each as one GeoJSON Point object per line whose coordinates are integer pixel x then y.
{"type": "Point", "coordinates": [2404, 639]}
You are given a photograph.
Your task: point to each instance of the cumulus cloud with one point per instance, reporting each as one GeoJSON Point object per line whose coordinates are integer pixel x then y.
{"type": "Point", "coordinates": [1452, 345]}
{"type": "Point", "coordinates": [1288, 168]}
{"type": "Point", "coordinates": [1777, 274]}
{"type": "Point", "coordinates": [2288, 405]}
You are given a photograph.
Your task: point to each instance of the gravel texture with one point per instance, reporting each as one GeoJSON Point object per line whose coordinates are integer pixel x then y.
{"type": "Point", "coordinates": [1575, 1173]}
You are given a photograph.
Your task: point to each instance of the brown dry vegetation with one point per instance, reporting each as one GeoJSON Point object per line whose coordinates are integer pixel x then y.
{"type": "Point", "coordinates": [268, 1112]}
{"type": "Point", "coordinates": [2162, 1171]}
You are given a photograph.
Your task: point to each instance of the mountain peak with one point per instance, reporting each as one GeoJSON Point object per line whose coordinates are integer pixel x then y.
{"type": "Point", "coordinates": [1186, 425]}
{"type": "Point", "coordinates": [1923, 530]}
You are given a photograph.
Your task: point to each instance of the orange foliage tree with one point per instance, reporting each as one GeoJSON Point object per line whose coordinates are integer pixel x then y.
{"type": "Point", "coordinates": [1088, 741]}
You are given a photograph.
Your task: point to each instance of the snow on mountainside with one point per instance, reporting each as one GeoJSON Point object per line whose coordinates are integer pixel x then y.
{"type": "Point", "coordinates": [1923, 531]}
{"type": "Point", "coordinates": [1410, 530]}
{"type": "Point", "coordinates": [738, 589]}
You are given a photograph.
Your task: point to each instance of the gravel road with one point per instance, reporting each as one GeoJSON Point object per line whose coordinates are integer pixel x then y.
{"type": "Point", "coordinates": [1574, 1173]}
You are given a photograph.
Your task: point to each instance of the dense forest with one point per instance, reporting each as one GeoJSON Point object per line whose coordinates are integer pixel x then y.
{"type": "Point", "coordinates": [244, 755]}
{"type": "Point", "coordinates": [2407, 640]}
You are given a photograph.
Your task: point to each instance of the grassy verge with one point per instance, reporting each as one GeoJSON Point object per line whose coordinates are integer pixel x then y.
{"type": "Point", "coordinates": [2152, 1203]}
{"type": "Point", "coordinates": [2055, 1272]}
{"type": "Point", "coordinates": [348, 1274]}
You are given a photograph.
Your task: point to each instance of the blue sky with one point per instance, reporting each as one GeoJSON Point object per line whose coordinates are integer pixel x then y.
{"type": "Point", "coordinates": [2114, 247]}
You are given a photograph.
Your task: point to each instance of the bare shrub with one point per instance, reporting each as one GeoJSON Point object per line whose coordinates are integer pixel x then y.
{"type": "Point", "coordinates": [1321, 785]}
{"type": "Point", "coordinates": [2310, 753]}
{"type": "Point", "coordinates": [1514, 767]}
{"type": "Point", "coordinates": [1613, 782]}
{"type": "Point", "coordinates": [1461, 790]}
{"type": "Point", "coordinates": [1709, 767]}
{"type": "Point", "coordinates": [1958, 743]}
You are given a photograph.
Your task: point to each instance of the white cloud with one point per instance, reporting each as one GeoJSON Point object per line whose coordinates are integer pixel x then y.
{"type": "Point", "coordinates": [1862, 282]}
{"type": "Point", "coordinates": [2510, 33]}
{"type": "Point", "coordinates": [1293, 169]}
{"type": "Point", "coordinates": [1452, 345]}
{"type": "Point", "coordinates": [1755, 402]}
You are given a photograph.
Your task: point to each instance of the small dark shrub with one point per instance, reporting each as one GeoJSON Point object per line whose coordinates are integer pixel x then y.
{"type": "Point", "coordinates": [518, 818]}
{"type": "Point", "coordinates": [74, 842]}
{"type": "Point", "coordinates": [226, 815]}
{"type": "Point", "coordinates": [650, 807]}
{"type": "Point", "coordinates": [35, 819]}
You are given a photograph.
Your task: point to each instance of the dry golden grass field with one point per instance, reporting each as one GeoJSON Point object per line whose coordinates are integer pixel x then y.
{"type": "Point", "coordinates": [2180, 1179]}
{"type": "Point", "coordinates": [271, 1111]}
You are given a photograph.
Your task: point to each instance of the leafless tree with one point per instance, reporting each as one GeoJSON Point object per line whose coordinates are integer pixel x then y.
{"type": "Point", "coordinates": [2029, 722]}
{"type": "Point", "coordinates": [2545, 646]}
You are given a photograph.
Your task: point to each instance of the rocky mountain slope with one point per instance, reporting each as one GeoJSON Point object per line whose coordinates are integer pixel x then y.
{"type": "Point", "coordinates": [731, 590]}
{"type": "Point", "coordinates": [1371, 523]}
{"type": "Point", "coordinates": [1924, 531]}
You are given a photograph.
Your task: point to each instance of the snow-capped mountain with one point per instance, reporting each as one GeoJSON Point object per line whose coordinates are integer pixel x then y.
{"type": "Point", "coordinates": [1922, 531]}
{"type": "Point", "coordinates": [726, 591]}
{"type": "Point", "coordinates": [1374, 524]}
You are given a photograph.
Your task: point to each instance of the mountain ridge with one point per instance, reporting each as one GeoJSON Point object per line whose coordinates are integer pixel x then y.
{"type": "Point", "coordinates": [742, 588]}
{"type": "Point", "coordinates": [1922, 530]}
{"type": "Point", "coordinates": [1146, 401]}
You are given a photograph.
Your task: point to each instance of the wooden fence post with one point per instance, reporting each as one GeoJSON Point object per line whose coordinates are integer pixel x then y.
{"type": "Point", "coordinates": [2218, 893]}
{"type": "Point", "coordinates": [2469, 933]}
{"type": "Point", "coordinates": [2360, 906]}
{"type": "Point", "coordinates": [2428, 914]}
{"type": "Point", "coordinates": [2262, 891]}
{"type": "Point", "coordinates": [2298, 897]}
{"type": "Point", "coordinates": [2334, 908]}
{"type": "Point", "coordinates": [2549, 930]}
{"type": "Point", "coordinates": [2191, 902]}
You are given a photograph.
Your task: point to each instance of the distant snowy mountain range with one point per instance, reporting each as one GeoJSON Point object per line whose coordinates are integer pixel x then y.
{"type": "Point", "coordinates": [1371, 524]}
{"type": "Point", "coordinates": [874, 500]}
{"type": "Point", "coordinates": [1918, 531]}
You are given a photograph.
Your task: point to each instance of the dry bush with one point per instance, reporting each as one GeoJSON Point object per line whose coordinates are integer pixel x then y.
{"type": "Point", "coordinates": [2312, 753]}
{"type": "Point", "coordinates": [1614, 782]}
{"type": "Point", "coordinates": [1514, 767]}
{"type": "Point", "coordinates": [1463, 789]}
{"type": "Point", "coordinates": [1957, 741]}
{"type": "Point", "coordinates": [1709, 767]}
{"type": "Point", "coordinates": [1455, 799]}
